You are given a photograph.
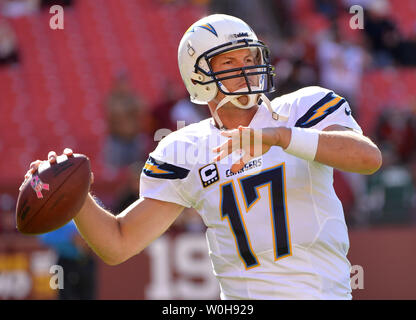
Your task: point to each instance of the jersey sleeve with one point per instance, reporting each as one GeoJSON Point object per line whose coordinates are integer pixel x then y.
{"type": "Point", "coordinates": [318, 108]}
{"type": "Point", "coordinates": [164, 177]}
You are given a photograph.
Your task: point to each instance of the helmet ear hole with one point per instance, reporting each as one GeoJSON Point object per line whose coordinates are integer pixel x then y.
{"type": "Point", "coordinates": [196, 77]}
{"type": "Point", "coordinates": [203, 93]}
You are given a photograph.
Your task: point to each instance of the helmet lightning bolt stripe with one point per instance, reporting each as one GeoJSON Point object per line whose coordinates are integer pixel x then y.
{"type": "Point", "coordinates": [206, 26]}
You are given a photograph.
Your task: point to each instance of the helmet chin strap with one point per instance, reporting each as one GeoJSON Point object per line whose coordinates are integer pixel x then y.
{"type": "Point", "coordinates": [253, 99]}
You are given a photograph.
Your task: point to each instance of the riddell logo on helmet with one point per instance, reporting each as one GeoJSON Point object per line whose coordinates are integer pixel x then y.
{"type": "Point", "coordinates": [239, 35]}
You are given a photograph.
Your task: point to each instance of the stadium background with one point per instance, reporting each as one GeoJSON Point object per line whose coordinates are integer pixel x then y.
{"type": "Point", "coordinates": [58, 89]}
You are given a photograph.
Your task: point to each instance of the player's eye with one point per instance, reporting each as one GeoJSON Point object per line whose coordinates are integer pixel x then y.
{"type": "Point", "coordinates": [250, 60]}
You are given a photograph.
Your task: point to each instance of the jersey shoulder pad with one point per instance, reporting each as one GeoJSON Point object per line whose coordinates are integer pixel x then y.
{"type": "Point", "coordinates": [296, 102]}
{"type": "Point", "coordinates": [314, 104]}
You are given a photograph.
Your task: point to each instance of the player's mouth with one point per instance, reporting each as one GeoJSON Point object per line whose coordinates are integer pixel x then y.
{"type": "Point", "coordinates": [244, 85]}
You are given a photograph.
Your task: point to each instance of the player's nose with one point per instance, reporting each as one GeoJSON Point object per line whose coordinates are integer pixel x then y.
{"type": "Point", "coordinates": [241, 63]}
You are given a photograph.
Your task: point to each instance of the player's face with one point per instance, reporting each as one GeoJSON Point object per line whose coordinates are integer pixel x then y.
{"type": "Point", "coordinates": [235, 59]}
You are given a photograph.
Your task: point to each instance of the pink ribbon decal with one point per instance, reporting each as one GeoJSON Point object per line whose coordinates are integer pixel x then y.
{"type": "Point", "coordinates": [38, 186]}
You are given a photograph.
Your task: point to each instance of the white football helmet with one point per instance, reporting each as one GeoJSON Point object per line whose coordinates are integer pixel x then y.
{"type": "Point", "coordinates": [215, 35]}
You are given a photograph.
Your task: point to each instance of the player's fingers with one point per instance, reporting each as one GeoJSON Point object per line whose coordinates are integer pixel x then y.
{"type": "Point", "coordinates": [34, 166]}
{"type": "Point", "coordinates": [217, 149]}
{"type": "Point", "coordinates": [68, 152]}
{"type": "Point", "coordinates": [23, 183]}
{"type": "Point", "coordinates": [29, 173]}
{"type": "Point", "coordinates": [241, 162]}
{"type": "Point", "coordinates": [221, 147]}
{"type": "Point", "coordinates": [234, 133]}
{"type": "Point", "coordinates": [32, 169]}
{"type": "Point", "coordinates": [242, 136]}
{"type": "Point", "coordinates": [219, 157]}
{"type": "Point", "coordinates": [92, 178]}
{"type": "Point", "coordinates": [225, 149]}
{"type": "Point", "coordinates": [237, 166]}
{"type": "Point", "coordinates": [230, 133]}
{"type": "Point", "coordinates": [232, 144]}
{"type": "Point", "coordinates": [52, 156]}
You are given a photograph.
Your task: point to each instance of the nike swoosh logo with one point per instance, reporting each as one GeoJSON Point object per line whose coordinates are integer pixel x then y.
{"type": "Point", "coordinates": [347, 112]}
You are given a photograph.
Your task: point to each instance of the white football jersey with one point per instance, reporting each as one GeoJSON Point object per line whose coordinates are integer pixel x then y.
{"type": "Point", "coordinates": [275, 229]}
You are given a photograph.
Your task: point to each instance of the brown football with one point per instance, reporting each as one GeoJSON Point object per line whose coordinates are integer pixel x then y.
{"type": "Point", "coordinates": [53, 195]}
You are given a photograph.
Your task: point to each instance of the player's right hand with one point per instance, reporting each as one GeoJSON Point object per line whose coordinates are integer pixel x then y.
{"type": "Point", "coordinates": [33, 167]}
{"type": "Point", "coordinates": [250, 142]}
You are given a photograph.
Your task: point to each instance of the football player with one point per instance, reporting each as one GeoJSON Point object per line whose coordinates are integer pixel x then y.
{"type": "Point", "coordinates": [259, 172]}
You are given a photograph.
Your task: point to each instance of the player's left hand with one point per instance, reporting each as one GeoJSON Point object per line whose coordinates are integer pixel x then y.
{"type": "Point", "coordinates": [251, 142]}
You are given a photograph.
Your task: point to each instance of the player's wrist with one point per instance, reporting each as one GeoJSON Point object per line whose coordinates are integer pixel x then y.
{"type": "Point", "coordinates": [303, 143]}
{"type": "Point", "coordinates": [282, 137]}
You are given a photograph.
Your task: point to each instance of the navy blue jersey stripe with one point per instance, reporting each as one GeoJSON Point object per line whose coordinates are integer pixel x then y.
{"type": "Point", "coordinates": [163, 170]}
{"type": "Point", "coordinates": [310, 118]}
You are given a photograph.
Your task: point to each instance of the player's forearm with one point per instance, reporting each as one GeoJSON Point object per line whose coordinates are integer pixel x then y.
{"type": "Point", "coordinates": [348, 151]}
{"type": "Point", "coordinates": [117, 238]}
{"type": "Point", "coordinates": [343, 149]}
{"type": "Point", "coordinates": [100, 229]}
